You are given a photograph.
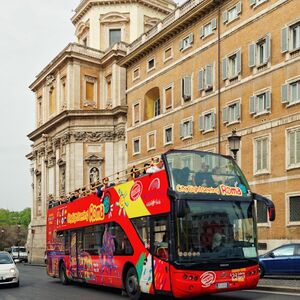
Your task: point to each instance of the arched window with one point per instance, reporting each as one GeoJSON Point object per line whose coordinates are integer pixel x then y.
{"type": "Point", "coordinates": [152, 103]}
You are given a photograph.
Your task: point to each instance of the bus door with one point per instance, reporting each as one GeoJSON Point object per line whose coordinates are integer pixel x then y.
{"type": "Point", "coordinates": [75, 251]}
{"type": "Point", "coordinates": [160, 249]}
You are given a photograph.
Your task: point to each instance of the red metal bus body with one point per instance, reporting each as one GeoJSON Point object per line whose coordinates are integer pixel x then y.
{"type": "Point", "coordinates": [117, 240]}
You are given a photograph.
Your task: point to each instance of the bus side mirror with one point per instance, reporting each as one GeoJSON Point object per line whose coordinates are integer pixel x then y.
{"type": "Point", "coordinates": [268, 203]}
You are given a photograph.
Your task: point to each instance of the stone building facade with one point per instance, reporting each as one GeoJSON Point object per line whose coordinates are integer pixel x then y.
{"type": "Point", "coordinates": [211, 67]}
{"type": "Point", "coordinates": [81, 105]}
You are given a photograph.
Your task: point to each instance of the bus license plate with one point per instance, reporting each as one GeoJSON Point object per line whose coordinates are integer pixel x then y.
{"type": "Point", "coordinates": [222, 285]}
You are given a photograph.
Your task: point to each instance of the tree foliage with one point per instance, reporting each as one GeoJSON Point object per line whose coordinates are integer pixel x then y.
{"type": "Point", "coordinates": [14, 227]}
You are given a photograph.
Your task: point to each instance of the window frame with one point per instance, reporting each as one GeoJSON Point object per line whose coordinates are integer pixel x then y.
{"type": "Point", "coordinates": [165, 108]}
{"type": "Point", "coordinates": [237, 103]}
{"type": "Point", "coordinates": [165, 59]}
{"type": "Point", "coordinates": [286, 92]}
{"type": "Point", "coordinates": [137, 138]}
{"type": "Point", "coordinates": [154, 140]}
{"type": "Point", "coordinates": [290, 166]}
{"type": "Point", "coordinates": [94, 80]}
{"type": "Point", "coordinates": [263, 224]}
{"type": "Point", "coordinates": [188, 98]}
{"type": "Point", "coordinates": [204, 115]}
{"type": "Point", "coordinates": [138, 76]}
{"type": "Point", "coordinates": [191, 131]}
{"type": "Point", "coordinates": [186, 42]}
{"type": "Point", "coordinates": [108, 33]}
{"type": "Point", "coordinates": [171, 126]}
{"type": "Point", "coordinates": [287, 198]}
{"type": "Point", "coordinates": [266, 170]}
{"type": "Point", "coordinates": [154, 64]}
{"type": "Point", "coordinates": [137, 103]}
{"type": "Point", "coordinates": [253, 103]}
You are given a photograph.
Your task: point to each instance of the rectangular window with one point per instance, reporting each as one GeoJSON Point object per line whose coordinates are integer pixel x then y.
{"type": "Point", "coordinates": [294, 209]}
{"type": "Point", "coordinates": [259, 53]}
{"type": "Point", "coordinates": [232, 13]}
{"type": "Point", "coordinates": [168, 54]}
{"type": "Point", "coordinates": [114, 36]}
{"type": "Point", "coordinates": [207, 121]}
{"type": "Point", "coordinates": [151, 140]}
{"type": "Point", "coordinates": [290, 92]}
{"type": "Point", "coordinates": [262, 213]}
{"type": "Point", "coordinates": [89, 92]}
{"type": "Point", "coordinates": [232, 66]}
{"type": "Point", "coordinates": [186, 84]}
{"type": "Point", "coordinates": [232, 112]}
{"type": "Point", "coordinates": [52, 96]}
{"type": "Point", "coordinates": [293, 148]}
{"type": "Point", "coordinates": [260, 103]}
{"type": "Point", "coordinates": [186, 42]}
{"type": "Point", "coordinates": [136, 145]}
{"type": "Point", "coordinates": [186, 129]}
{"type": "Point", "coordinates": [136, 113]}
{"type": "Point", "coordinates": [208, 28]}
{"type": "Point", "coordinates": [136, 74]}
{"type": "Point", "coordinates": [290, 38]}
{"type": "Point", "coordinates": [262, 155]}
{"type": "Point", "coordinates": [168, 92]}
{"type": "Point", "coordinates": [168, 136]}
{"type": "Point", "coordinates": [256, 2]}
{"type": "Point", "coordinates": [206, 78]}
{"type": "Point", "coordinates": [151, 64]}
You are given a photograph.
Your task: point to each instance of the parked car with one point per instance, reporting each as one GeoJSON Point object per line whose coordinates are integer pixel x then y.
{"type": "Point", "coordinates": [284, 260]}
{"type": "Point", "coordinates": [19, 253]}
{"type": "Point", "coordinates": [9, 273]}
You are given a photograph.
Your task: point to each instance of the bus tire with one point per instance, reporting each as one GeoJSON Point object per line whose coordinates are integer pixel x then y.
{"type": "Point", "coordinates": [62, 274]}
{"type": "Point", "coordinates": [132, 286]}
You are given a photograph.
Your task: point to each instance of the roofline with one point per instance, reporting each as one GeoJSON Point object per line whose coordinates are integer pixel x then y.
{"type": "Point", "coordinates": [85, 5]}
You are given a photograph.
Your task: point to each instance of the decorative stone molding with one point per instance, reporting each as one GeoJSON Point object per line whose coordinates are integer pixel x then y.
{"type": "Point", "coordinates": [50, 161]}
{"type": "Point", "coordinates": [50, 79]}
{"type": "Point", "coordinates": [56, 143]}
{"type": "Point", "coordinates": [41, 151]}
{"type": "Point", "coordinates": [82, 28]}
{"type": "Point", "coordinates": [114, 17]}
{"type": "Point", "coordinates": [94, 159]}
{"type": "Point", "coordinates": [104, 136]}
{"type": "Point", "coordinates": [89, 103]}
{"type": "Point", "coordinates": [37, 172]}
{"type": "Point", "coordinates": [65, 139]}
{"type": "Point", "coordinates": [61, 163]}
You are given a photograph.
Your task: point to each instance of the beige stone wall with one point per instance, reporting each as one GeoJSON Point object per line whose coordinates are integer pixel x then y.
{"type": "Point", "coordinates": [252, 24]}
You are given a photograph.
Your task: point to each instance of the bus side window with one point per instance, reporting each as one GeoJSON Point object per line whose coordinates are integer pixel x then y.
{"type": "Point", "coordinates": [122, 244]}
{"type": "Point", "coordinates": [161, 246]}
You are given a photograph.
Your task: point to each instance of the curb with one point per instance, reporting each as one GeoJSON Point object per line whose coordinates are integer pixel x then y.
{"type": "Point", "coordinates": [279, 288]}
{"type": "Point", "coordinates": [34, 265]}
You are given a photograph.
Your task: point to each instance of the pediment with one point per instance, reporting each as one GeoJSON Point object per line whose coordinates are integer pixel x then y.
{"type": "Point", "coordinates": [151, 21]}
{"type": "Point", "coordinates": [94, 158]}
{"type": "Point", "coordinates": [114, 17]}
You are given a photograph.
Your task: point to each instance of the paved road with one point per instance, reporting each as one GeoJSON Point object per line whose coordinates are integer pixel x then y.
{"type": "Point", "coordinates": [36, 285]}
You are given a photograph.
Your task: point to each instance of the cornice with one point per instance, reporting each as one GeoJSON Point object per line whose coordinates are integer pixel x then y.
{"type": "Point", "coordinates": [70, 115]}
{"type": "Point", "coordinates": [71, 51]}
{"type": "Point", "coordinates": [179, 20]}
{"type": "Point", "coordinates": [165, 7]}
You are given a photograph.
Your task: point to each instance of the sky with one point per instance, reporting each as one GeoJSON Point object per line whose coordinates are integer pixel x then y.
{"type": "Point", "coordinates": [32, 33]}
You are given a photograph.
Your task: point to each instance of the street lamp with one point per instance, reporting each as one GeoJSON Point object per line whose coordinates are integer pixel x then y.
{"type": "Point", "coordinates": [234, 143]}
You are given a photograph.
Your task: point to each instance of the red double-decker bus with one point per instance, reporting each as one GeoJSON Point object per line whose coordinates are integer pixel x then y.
{"type": "Point", "coordinates": [184, 230]}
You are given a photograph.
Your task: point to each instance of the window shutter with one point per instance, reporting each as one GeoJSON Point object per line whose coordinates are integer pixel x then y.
{"type": "Point", "coordinates": [201, 31]}
{"type": "Point", "coordinates": [201, 80]}
{"type": "Point", "coordinates": [225, 115]}
{"type": "Point", "coordinates": [224, 68]}
{"type": "Point", "coordinates": [209, 75]}
{"type": "Point", "coordinates": [181, 45]}
{"type": "Point", "coordinates": [238, 111]}
{"type": "Point", "coordinates": [238, 62]}
{"type": "Point", "coordinates": [187, 87]}
{"type": "Point", "coordinates": [268, 47]}
{"type": "Point", "coordinates": [252, 105]}
{"type": "Point", "coordinates": [181, 130]}
{"type": "Point", "coordinates": [251, 55]}
{"type": "Point", "coordinates": [284, 39]}
{"type": "Point", "coordinates": [191, 38]}
{"type": "Point", "coordinates": [239, 7]}
{"type": "Point", "coordinates": [225, 16]}
{"type": "Point", "coordinates": [252, 2]}
{"type": "Point", "coordinates": [268, 100]}
{"type": "Point", "coordinates": [284, 93]}
{"type": "Point", "coordinates": [214, 24]}
{"type": "Point", "coordinates": [213, 120]}
{"type": "Point", "coordinates": [201, 123]}
{"type": "Point", "coordinates": [191, 125]}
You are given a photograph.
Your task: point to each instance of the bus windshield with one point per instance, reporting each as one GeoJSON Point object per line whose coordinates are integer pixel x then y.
{"type": "Point", "coordinates": [216, 229]}
{"type": "Point", "coordinates": [205, 172]}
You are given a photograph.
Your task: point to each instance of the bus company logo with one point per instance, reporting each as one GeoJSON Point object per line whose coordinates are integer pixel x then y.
{"type": "Point", "coordinates": [93, 214]}
{"type": "Point", "coordinates": [154, 185]}
{"type": "Point", "coordinates": [136, 191]}
{"type": "Point", "coordinates": [208, 278]}
{"type": "Point", "coordinates": [230, 190]}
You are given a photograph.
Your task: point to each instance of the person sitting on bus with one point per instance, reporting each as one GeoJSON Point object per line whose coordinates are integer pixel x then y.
{"type": "Point", "coordinates": [217, 242]}
{"type": "Point", "coordinates": [157, 166]}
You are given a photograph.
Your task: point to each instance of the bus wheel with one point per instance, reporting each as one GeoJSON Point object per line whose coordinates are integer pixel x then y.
{"type": "Point", "coordinates": [62, 274]}
{"type": "Point", "coordinates": [132, 285]}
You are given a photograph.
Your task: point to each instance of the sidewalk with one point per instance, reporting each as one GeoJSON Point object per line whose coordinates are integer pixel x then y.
{"type": "Point", "coordinates": [286, 284]}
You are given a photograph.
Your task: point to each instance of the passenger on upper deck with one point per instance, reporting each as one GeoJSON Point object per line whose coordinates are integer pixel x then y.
{"type": "Point", "coordinates": [157, 165]}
